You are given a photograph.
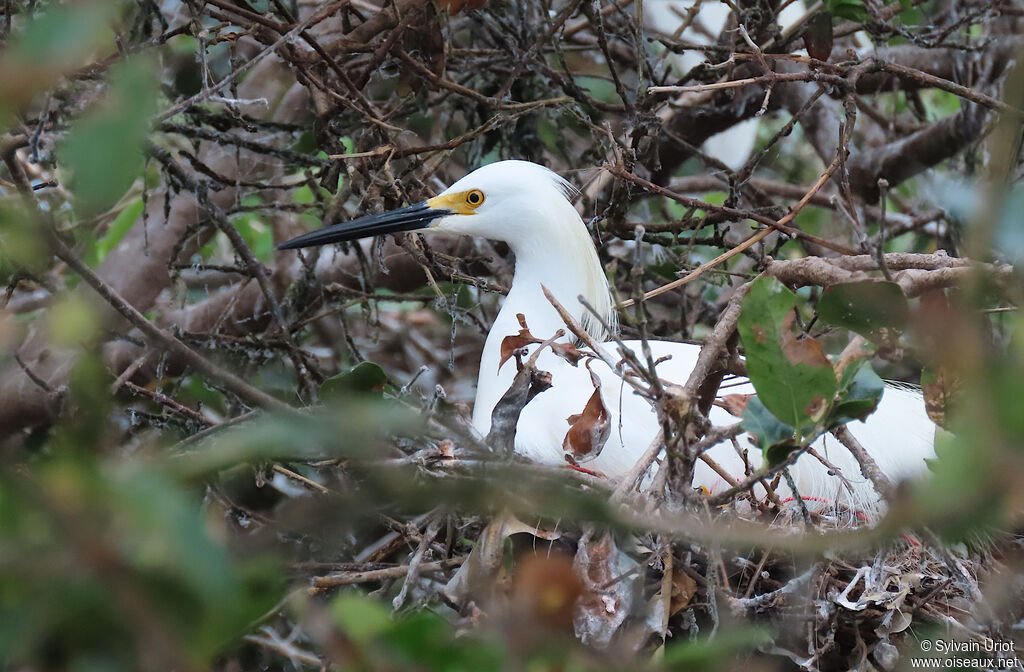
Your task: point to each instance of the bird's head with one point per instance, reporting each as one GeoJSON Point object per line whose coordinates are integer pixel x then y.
{"type": "Point", "coordinates": [510, 201]}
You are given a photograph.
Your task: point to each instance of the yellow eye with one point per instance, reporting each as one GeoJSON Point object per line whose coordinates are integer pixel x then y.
{"type": "Point", "coordinates": [474, 198]}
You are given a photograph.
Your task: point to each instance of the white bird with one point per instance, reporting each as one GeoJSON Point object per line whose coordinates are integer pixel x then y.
{"type": "Point", "coordinates": [527, 206]}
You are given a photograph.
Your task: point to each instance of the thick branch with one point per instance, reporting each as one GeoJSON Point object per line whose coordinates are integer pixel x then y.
{"type": "Point", "coordinates": [899, 161]}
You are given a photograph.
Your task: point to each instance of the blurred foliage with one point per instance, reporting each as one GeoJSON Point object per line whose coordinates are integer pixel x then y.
{"type": "Point", "coordinates": [168, 525]}
{"type": "Point", "coordinates": [107, 561]}
{"type": "Point", "coordinates": [103, 149]}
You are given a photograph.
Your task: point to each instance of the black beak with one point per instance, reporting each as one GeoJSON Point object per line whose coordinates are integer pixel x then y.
{"type": "Point", "coordinates": [409, 218]}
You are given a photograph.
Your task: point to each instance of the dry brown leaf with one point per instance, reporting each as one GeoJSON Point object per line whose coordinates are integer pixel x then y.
{"type": "Point", "coordinates": [683, 589]}
{"type": "Point", "coordinates": [608, 590]}
{"type": "Point", "coordinates": [946, 345]}
{"type": "Point", "coordinates": [477, 576]}
{"type": "Point", "coordinates": [934, 319]}
{"type": "Point", "coordinates": [735, 404]}
{"type": "Point", "coordinates": [818, 36]}
{"type": "Point", "coordinates": [568, 352]}
{"type": "Point", "coordinates": [589, 430]}
{"type": "Point", "coordinates": [939, 393]}
{"type": "Point", "coordinates": [545, 590]}
{"type": "Point", "coordinates": [510, 344]}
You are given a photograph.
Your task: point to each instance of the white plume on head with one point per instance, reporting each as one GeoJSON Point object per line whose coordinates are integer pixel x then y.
{"type": "Point", "coordinates": [598, 293]}
{"type": "Point", "coordinates": [529, 207]}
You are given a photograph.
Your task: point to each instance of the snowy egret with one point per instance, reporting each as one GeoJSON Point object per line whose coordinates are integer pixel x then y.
{"type": "Point", "coordinates": [527, 206]}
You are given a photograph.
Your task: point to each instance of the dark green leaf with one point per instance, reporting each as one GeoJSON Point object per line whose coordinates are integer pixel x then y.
{"type": "Point", "coordinates": [714, 654]}
{"type": "Point", "coordinates": [23, 245]}
{"type": "Point", "coordinates": [429, 641]}
{"type": "Point", "coordinates": [860, 390]}
{"type": "Point", "coordinates": [363, 378]}
{"type": "Point", "coordinates": [768, 432]}
{"type": "Point", "coordinates": [792, 376]}
{"type": "Point", "coordinates": [865, 306]}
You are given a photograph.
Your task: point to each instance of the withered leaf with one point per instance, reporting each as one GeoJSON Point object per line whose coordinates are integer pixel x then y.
{"type": "Point", "coordinates": [804, 350]}
{"type": "Point", "coordinates": [818, 36]}
{"type": "Point", "coordinates": [423, 37]}
{"type": "Point", "coordinates": [510, 344]}
{"type": "Point", "coordinates": [946, 343]}
{"type": "Point", "coordinates": [545, 589]}
{"type": "Point", "coordinates": [476, 577]}
{"type": "Point", "coordinates": [939, 386]}
{"type": "Point", "coordinates": [608, 590]}
{"type": "Point", "coordinates": [816, 407]}
{"type": "Point", "coordinates": [735, 404]}
{"type": "Point", "coordinates": [683, 589]}
{"type": "Point", "coordinates": [568, 352]}
{"type": "Point", "coordinates": [589, 430]}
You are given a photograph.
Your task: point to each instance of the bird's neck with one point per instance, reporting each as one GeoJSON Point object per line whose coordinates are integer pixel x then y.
{"type": "Point", "coordinates": [565, 262]}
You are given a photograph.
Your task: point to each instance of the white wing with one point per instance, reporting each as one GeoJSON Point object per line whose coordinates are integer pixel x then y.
{"type": "Point", "coordinates": [899, 435]}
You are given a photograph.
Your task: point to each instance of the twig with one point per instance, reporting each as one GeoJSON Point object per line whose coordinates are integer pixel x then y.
{"type": "Point", "coordinates": [159, 338]}
{"type": "Point", "coordinates": [322, 583]}
{"type": "Point", "coordinates": [165, 400]}
{"type": "Point", "coordinates": [414, 563]}
{"type": "Point", "coordinates": [798, 583]}
{"type": "Point", "coordinates": [760, 235]}
{"type": "Point", "coordinates": [868, 466]}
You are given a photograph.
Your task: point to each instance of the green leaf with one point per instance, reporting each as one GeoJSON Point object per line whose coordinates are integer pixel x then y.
{"type": "Point", "coordinates": [865, 306]}
{"type": "Point", "coordinates": [22, 244]}
{"type": "Point", "coordinates": [103, 149]}
{"type": "Point", "coordinates": [303, 195]}
{"type": "Point", "coordinates": [792, 376]}
{"type": "Point", "coordinates": [65, 34]}
{"type": "Point", "coordinates": [359, 617]}
{"type": "Point", "coordinates": [144, 534]}
{"type": "Point", "coordinates": [860, 390]}
{"type": "Point", "coordinates": [426, 639]}
{"type": "Point", "coordinates": [357, 432]}
{"type": "Point", "coordinates": [853, 10]}
{"type": "Point", "coordinates": [257, 235]}
{"type": "Point", "coordinates": [73, 321]}
{"type": "Point", "coordinates": [363, 378]}
{"type": "Point", "coordinates": [63, 37]}
{"type": "Point", "coordinates": [772, 437]}
{"type": "Point", "coordinates": [117, 229]}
